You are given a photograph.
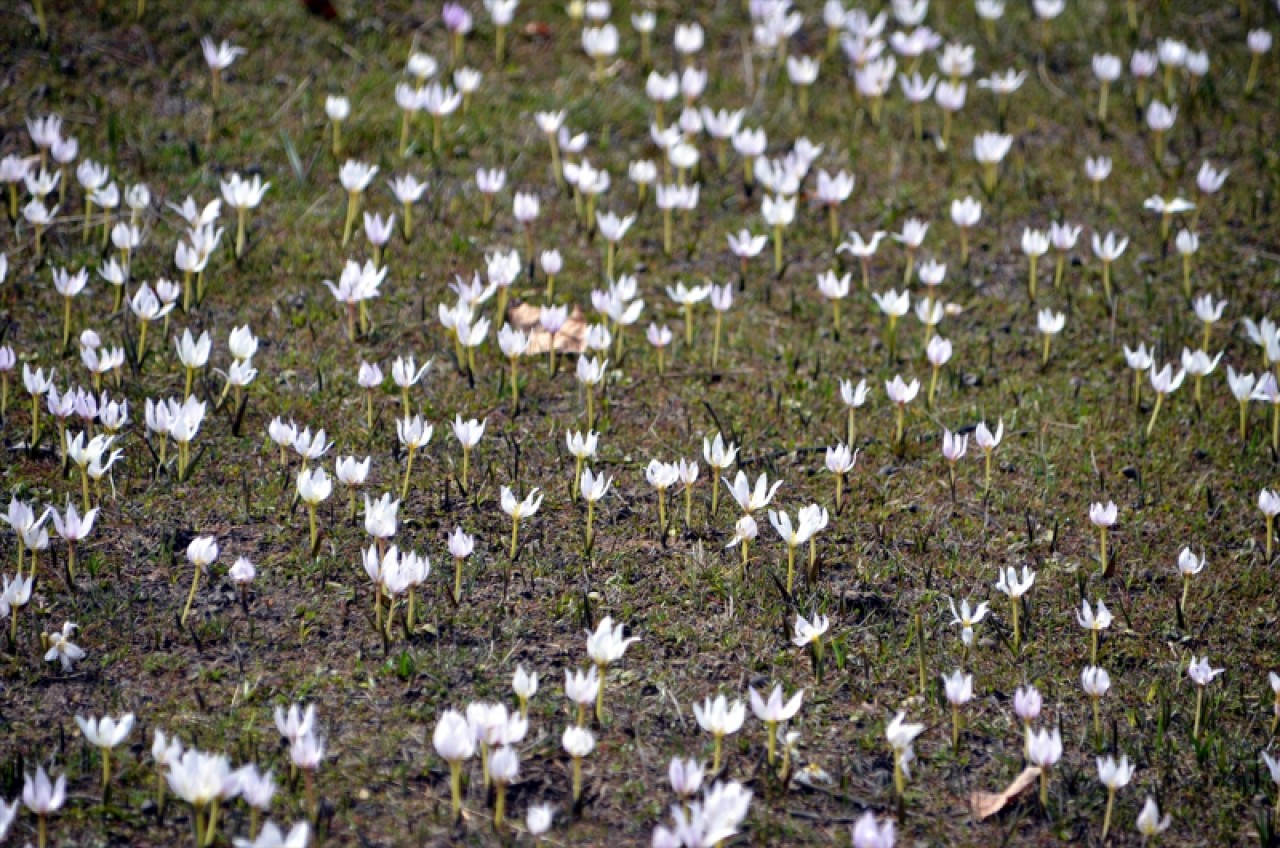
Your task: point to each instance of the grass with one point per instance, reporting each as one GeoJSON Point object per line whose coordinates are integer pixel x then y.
{"type": "Point", "coordinates": [136, 96]}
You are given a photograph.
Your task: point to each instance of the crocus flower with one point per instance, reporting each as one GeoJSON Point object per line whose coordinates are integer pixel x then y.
{"type": "Point", "coordinates": [43, 797]}
{"type": "Point", "coordinates": [1198, 364]}
{"type": "Point", "coordinates": [1045, 751]}
{"type": "Point", "coordinates": [468, 433]}
{"type": "Point", "coordinates": [967, 618]}
{"type": "Point", "coordinates": [965, 214]}
{"type": "Point", "coordinates": [1027, 703]}
{"type": "Point", "coordinates": [243, 195]}
{"type": "Point", "coordinates": [1269, 505]}
{"type": "Point", "coordinates": [988, 442]}
{"type": "Point", "coordinates": [1095, 623]}
{"type": "Point", "coordinates": [1149, 823]}
{"type": "Point", "coordinates": [73, 528]}
{"type": "Point", "coordinates": [1049, 324]}
{"type": "Point", "coordinates": [774, 712]}
{"type": "Point", "coordinates": [958, 687]}
{"type": "Point", "coordinates": [1035, 243]}
{"type": "Point", "coordinates": [901, 393]}
{"type": "Point", "coordinates": [901, 734]}
{"type": "Point", "coordinates": [461, 546]}
{"type": "Point", "coordinates": [1096, 683]}
{"type": "Point", "coordinates": [61, 647]}
{"type": "Point", "coordinates": [1010, 584]}
{"type": "Point", "coordinates": [864, 250]}
{"type": "Point", "coordinates": [314, 487]}
{"type": "Point", "coordinates": [104, 734]}
{"type": "Point", "coordinates": [1103, 517]}
{"type": "Point", "coordinates": [454, 743]}
{"type": "Point", "coordinates": [518, 510]}
{"type": "Point", "coordinates": [1108, 249]}
{"type": "Point", "coordinates": [578, 743]}
{"type": "Point", "coordinates": [219, 57]}
{"type": "Point", "coordinates": [1164, 381]}
{"type": "Point", "coordinates": [1201, 674]}
{"type": "Point", "coordinates": [1114, 775]}
{"type": "Point", "coordinates": [954, 448]}
{"type": "Point", "coordinates": [606, 646]}
{"type": "Point", "coordinates": [525, 685]}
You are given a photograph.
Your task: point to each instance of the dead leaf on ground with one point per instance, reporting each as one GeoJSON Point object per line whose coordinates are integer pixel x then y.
{"type": "Point", "coordinates": [572, 337]}
{"type": "Point", "coordinates": [989, 803]}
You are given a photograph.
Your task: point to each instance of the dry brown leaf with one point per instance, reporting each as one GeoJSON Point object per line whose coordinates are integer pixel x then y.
{"type": "Point", "coordinates": [572, 337]}
{"type": "Point", "coordinates": [989, 803]}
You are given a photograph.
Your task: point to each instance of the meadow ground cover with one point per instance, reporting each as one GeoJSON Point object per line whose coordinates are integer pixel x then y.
{"type": "Point", "coordinates": [686, 425]}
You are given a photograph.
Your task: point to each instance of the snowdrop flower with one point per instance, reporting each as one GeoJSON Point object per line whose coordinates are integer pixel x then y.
{"type": "Point", "coordinates": [406, 375]}
{"type": "Point", "coordinates": [1035, 243]}
{"type": "Point", "coordinates": [525, 685]}
{"type": "Point", "coordinates": [1259, 43]}
{"type": "Point", "coordinates": [593, 488]}
{"type": "Point", "coordinates": [1189, 565]}
{"type": "Point", "coordinates": [1209, 181]}
{"type": "Point", "coordinates": [272, 837]}
{"type": "Point", "coordinates": [808, 523]}
{"type": "Point", "coordinates": [938, 352]}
